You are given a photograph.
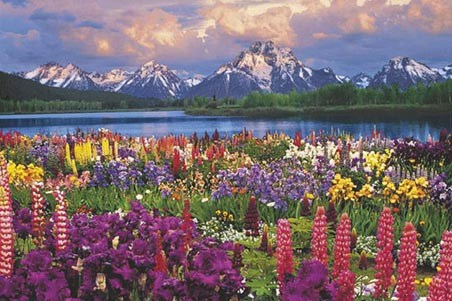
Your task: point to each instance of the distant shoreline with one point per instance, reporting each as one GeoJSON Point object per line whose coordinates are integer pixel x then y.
{"type": "Point", "coordinates": [413, 111]}
{"type": "Point", "coordinates": [156, 109]}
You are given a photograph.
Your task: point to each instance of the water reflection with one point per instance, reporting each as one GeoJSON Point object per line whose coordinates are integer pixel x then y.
{"type": "Point", "coordinates": [176, 122]}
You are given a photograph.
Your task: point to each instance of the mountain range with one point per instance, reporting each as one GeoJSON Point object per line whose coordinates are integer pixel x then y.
{"type": "Point", "coordinates": [264, 67]}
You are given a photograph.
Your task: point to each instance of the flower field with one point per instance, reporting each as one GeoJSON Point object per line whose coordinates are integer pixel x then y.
{"type": "Point", "coordinates": [100, 216]}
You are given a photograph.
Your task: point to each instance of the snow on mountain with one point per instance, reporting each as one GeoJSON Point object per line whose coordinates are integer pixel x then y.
{"type": "Point", "coordinates": [263, 67]}
{"type": "Point", "coordinates": [361, 80]}
{"type": "Point", "coordinates": [109, 81]}
{"type": "Point", "coordinates": [404, 72]}
{"type": "Point", "coordinates": [55, 75]}
{"type": "Point", "coordinates": [194, 80]}
{"type": "Point", "coordinates": [153, 80]}
{"type": "Point", "coordinates": [446, 72]}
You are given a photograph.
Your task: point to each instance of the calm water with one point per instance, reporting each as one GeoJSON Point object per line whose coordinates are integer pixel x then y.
{"type": "Point", "coordinates": [176, 122]}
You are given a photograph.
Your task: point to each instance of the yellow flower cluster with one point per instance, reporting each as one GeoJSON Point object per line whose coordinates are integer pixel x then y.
{"type": "Point", "coordinates": [342, 189]}
{"type": "Point", "coordinates": [24, 175]}
{"type": "Point", "coordinates": [84, 152]}
{"type": "Point", "coordinates": [407, 190]}
{"type": "Point", "coordinates": [366, 191]}
{"type": "Point", "coordinates": [376, 161]}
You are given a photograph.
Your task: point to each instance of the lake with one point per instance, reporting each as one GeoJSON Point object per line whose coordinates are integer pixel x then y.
{"type": "Point", "coordinates": [161, 123]}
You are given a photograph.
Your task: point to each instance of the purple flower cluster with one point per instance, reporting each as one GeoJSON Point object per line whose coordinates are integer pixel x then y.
{"type": "Point", "coordinates": [440, 192]}
{"type": "Point", "coordinates": [428, 153]}
{"type": "Point", "coordinates": [113, 257]}
{"type": "Point", "coordinates": [311, 283]}
{"type": "Point", "coordinates": [125, 176]}
{"type": "Point", "coordinates": [281, 181]}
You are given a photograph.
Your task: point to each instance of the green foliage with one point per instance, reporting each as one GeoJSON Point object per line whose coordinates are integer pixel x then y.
{"type": "Point", "coordinates": [349, 95]}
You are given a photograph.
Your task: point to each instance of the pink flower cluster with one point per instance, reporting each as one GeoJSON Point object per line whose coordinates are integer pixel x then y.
{"type": "Point", "coordinates": [384, 260]}
{"type": "Point", "coordinates": [342, 246]}
{"type": "Point", "coordinates": [61, 225]}
{"type": "Point", "coordinates": [6, 223]}
{"type": "Point", "coordinates": [441, 286]}
{"type": "Point", "coordinates": [407, 264]}
{"type": "Point", "coordinates": [37, 213]}
{"type": "Point", "coordinates": [319, 237]}
{"type": "Point", "coordinates": [284, 252]}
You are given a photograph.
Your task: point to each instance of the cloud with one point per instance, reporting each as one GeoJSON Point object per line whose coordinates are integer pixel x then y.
{"type": "Point", "coordinates": [92, 24]}
{"type": "Point", "coordinates": [247, 24]}
{"type": "Point", "coordinates": [16, 2]}
{"type": "Point", "coordinates": [432, 16]}
{"type": "Point", "coordinates": [41, 15]}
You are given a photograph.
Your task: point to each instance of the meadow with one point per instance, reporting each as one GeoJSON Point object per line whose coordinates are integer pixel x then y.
{"type": "Point", "coordinates": [101, 216]}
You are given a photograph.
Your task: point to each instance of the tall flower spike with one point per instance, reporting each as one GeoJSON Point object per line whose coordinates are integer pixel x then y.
{"type": "Point", "coordinates": [384, 260]}
{"type": "Point", "coordinates": [319, 237]}
{"type": "Point", "coordinates": [342, 246]}
{"type": "Point", "coordinates": [159, 257]}
{"type": "Point", "coordinates": [252, 218]}
{"type": "Point", "coordinates": [61, 226]}
{"type": "Point", "coordinates": [264, 241]}
{"type": "Point", "coordinates": [187, 225]}
{"type": "Point", "coordinates": [37, 213]}
{"type": "Point", "coordinates": [6, 223]}
{"type": "Point", "coordinates": [284, 252]}
{"type": "Point", "coordinates": [407, 264]}
{"type": "Point", "coordinates": [346, 283]}
{"type": "Point", "coordinates": [441, 286]}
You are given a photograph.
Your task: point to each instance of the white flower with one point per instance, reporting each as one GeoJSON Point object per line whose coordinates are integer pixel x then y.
{"type": "Point", "coordinates": [271, 204]}
{"type": "Point", "coordinates": [147, 191]}
{"type": "Point", "coordinates": [139, 197]}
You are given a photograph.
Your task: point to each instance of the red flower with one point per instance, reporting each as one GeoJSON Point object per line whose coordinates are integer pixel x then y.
{"type": "Point", "coordinates": [441, 286]}
{"type": "Point", "coordinates": [252, 219]}
{"type": "Point", "coordinates": [284, 252]}
{"type": "Point", "coordinates": [384, 260]}
{"type": "Point", "coordinates": [346, 283]}
{"type": "Point", "coordinates": [407, 264]}
{"type": "Point", "coordinates": [342, 246]}
{"type": "Point", "coordinates": [160, 258]}
{"type": "Point", "coordinates": [319, 237]}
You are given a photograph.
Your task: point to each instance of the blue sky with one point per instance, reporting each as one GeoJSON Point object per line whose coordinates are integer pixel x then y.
{"type": "Point", "coordinates": [197, 36]}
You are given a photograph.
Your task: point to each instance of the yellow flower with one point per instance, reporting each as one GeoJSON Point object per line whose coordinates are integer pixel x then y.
{"type": "Point", "coordinates": [428, 280]}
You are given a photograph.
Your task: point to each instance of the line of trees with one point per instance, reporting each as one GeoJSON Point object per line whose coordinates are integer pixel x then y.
{"type": "Point", "coordinates": [348, 95]}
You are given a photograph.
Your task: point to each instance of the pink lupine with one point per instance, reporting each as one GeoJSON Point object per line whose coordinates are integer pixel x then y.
{"type": "Point", "coordinates": [284, 252]}
{"type": "Point", "coordinates": [37, 213]}
{"type": "Point", "coordinates": [407, 264]}
{"type": "Point", "coordinates": [342, 246]}
{"type": "Point", "coordinates": [346, 284]}
{"type": "Point", "coordinates": [319, 237]}
{"type": "Point", "coordinates": [441, 286]}
{"type": "Point", "coordinates": [384, 260]}
{"type": "Point", "coordinates": [6, 223]}
{"type": "Point", "coordinates": [61, 222]}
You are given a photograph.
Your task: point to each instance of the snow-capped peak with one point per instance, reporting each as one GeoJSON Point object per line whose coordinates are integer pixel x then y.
{"type": "Point", "coordinates": [361, 80]}
{"type": "Point", "coordinates": [404, 72]}
{"type": "Point", "coordinates": [153, 80]}
{"type": "Point", "coordinates": [55, 75]}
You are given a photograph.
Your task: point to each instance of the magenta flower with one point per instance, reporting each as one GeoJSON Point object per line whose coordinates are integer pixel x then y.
{"type": "Point", "coordinates": [407, 264]}
{"type": "Point", "coordinates": [342, 246]}
{"type": "Point", "coordinates": [384, 260]}
{"type": "Point", "coordinates": [441, 286]}
{"type": "Point", "coordinates": [284, 252]}
{"type": "Point", "coordinates": [319, 237]}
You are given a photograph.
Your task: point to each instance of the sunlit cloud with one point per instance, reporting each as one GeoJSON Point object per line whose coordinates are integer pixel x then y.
{"type": "Point", "coordinates": [199, 35]}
